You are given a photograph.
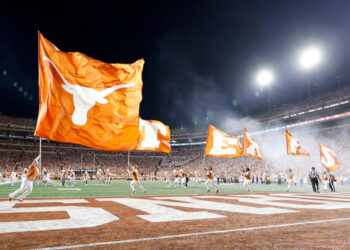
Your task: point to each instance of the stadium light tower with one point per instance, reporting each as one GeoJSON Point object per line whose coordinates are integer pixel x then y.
{"type": "Point", "coordinates": [264, 77]}
{"type": "Point", "coordinates": [310, 57]}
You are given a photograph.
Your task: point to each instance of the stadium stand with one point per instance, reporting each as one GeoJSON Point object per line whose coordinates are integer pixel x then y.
{"type": "Point", "coordinates": [18, 147]}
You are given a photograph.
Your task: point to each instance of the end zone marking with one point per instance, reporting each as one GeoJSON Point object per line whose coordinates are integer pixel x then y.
{"type": "Point", "coordinates": [194, 234]}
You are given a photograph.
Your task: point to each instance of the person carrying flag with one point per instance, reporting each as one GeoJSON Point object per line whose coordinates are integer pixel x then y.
{"type": "Point", "coordinates": [210, 180]}
{"type": "Point", "coordinates": [27, 181]}
{"type": "Point", "coordinates": [247, 180]}
{"type": "Point", "coordinates": [331, 178]}
{"type": "Point", "coordinates": [289, 175]}
{"type": "Point", "coordinates": [135, 179]}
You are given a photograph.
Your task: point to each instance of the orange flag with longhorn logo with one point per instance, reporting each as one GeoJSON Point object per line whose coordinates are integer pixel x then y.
{"type": "Point", "coordinates": [251, 147]}
{"type": "Point", "coordinates": [328, 158]}
{"type": "Point", "coordinates": [154, 136]}
{"type": "Point", "coordinates": [294, 146]}
{"type": "Point", "coordinates": [86, 101]}
{"type": "Point", "coordinates": [220, 144]}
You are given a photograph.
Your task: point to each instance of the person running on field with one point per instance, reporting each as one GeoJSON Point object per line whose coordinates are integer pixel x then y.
{"type": "Point", "coordinates": [314, 178]}
{"type": "Point", "coordinates": [325, 180]}
{"type": "Point", "coordinates": [210, 180]}
{"type": "Point", "coordinates": [46, 177]}
{"type": "Point", "coordinates": [27, 181]}
{"type": "Point", "coordinates": [247, 180]}
{"type": "Point", "coordinates": [63, 177]}
{"type": "Point", "coordinates": [289, 175]}
{"type": "Point", "coordinates": [331, 181]}
{"type": "Point", "coordinates": [86, 177]}
{"type": "Point", "coordinates": [135, 179]}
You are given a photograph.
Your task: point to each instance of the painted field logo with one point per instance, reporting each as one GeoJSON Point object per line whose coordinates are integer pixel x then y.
{"type": "Point", "coordinates": [83, 213]}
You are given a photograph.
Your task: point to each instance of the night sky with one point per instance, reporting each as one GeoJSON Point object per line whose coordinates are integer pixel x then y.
{"type": "Point", "coordinates": [201, 56]}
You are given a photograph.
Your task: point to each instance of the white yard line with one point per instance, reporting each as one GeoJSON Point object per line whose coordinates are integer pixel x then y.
{"type": "Point", "coordinates": [195, 234]}
{"type": "Point", "coordinates": [155, 195]}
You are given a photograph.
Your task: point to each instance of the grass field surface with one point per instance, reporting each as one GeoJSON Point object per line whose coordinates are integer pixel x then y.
{"type": "Point", "coordinates": [122, 188]}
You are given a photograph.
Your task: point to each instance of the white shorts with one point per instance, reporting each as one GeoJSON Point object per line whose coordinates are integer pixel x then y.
{"type": "Point", "coordinates": [247, 182]}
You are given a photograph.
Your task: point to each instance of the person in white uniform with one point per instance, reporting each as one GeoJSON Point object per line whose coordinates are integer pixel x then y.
{"type": "Point", "coordinates": [13, 177]}
{"type": "Point", "coordinates": [46, 177]}
{"type": "Point", "coordinates": [27, 181]}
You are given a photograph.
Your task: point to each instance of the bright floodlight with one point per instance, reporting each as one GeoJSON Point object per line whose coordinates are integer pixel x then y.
{"type": "Point", "coordinates": [310, 58]}
{"type": "Point", "coordinates": [264, 77]}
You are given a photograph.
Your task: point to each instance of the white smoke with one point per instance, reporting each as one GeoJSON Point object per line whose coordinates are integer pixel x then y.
{"type": "Point", "coordinates": [274, 149]}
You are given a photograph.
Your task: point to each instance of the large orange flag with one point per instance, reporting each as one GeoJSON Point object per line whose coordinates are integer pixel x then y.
{"type": "Point", "coordinates": [154, 136]}
{"type": "Point", "coordinates": [294, 146]}
{"type": "Point", "coordinates": [328, 159]}
{"type": "Point", "coordinates": [251, 147]}
{"type": "Point", "coordinates": [220, 144]}
{"type": "Point", "coordinates": [86, 101]}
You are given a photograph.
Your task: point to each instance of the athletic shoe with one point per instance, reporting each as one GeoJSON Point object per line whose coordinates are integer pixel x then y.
{"type": "Point", "coordinates": [20, 200]}
{"type": "Point", "coordinates": [133, 192]}
{"type": "Point", "coordinates": [208, 191]}
{"type": "Point", "coordinates": [217, 191]}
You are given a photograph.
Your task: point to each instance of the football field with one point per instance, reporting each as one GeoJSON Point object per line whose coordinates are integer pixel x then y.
{"type": "Point", "coordinates": [122, 188]}
{"type": "Point", "coordinates": [108, 217]}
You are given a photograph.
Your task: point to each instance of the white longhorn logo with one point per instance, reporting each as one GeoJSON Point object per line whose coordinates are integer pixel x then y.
{"type": "Point", "coordinates": [253, 149]}
{"type": "Point", "coordinates": [327, 158]}
{"type": "Point", "coordinates": [85, 98]}
{"type": "Point", "coordinates": [295, 146]}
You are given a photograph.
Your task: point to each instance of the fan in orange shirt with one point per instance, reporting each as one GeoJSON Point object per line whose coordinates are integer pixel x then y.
{"type": "Point", "coordinates": [135, 179]}
{"type": "Point", "coordinates": [27, 181]}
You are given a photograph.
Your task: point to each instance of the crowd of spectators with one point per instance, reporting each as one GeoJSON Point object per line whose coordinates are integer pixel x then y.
{"type": "Point", "coordinates": [18, 153]}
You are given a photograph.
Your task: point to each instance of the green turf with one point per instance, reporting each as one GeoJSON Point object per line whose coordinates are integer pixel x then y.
{"type": "Point", "coordinates": [122, 188]}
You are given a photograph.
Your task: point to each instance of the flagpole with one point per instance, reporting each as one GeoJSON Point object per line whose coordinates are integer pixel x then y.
{"type": "Point", "coordinates": [39, 100]}
{"type": "Point", "coordinates": [39, 106]}
{"type": "Point", "coordinates": [128, 159]}
{"type": "Point", "coordinates": [40, 154]}
{"type": "Point", "coordinates": [204, 157]}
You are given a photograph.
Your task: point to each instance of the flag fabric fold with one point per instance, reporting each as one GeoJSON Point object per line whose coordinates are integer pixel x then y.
{"type": "Point", "coordinates": [328, 158]}
{"type": "Point", "coordinates": [88, 102]}
{"type": "Point", "coordinates": [251, 147]}
{"type": "Point", "coordinates": [220, 144]}
{"type": "Point", "coordinates": [294, 146]}
{"type": "Point", "coordinates": [154, 136]}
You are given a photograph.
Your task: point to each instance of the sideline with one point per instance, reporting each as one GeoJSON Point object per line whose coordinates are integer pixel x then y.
{"type": "Point", "coordinates": [165, 195]}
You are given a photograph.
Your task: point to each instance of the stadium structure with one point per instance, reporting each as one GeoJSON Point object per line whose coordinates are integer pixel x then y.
{"type": "Point", "coordinates": [328, 113]}
{"type": "Point", "coordinates": [97, 214]}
